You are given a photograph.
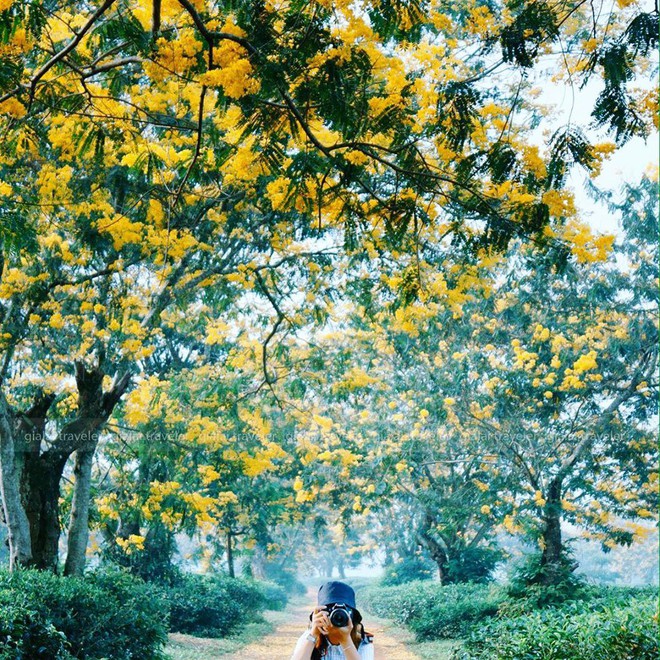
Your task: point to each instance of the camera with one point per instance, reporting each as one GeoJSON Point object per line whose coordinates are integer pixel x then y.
{"type": "Point", "coordinates": [339, 615]}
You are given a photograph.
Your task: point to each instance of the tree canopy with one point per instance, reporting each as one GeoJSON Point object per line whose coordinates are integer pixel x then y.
{"type": "Point", "coordinates": [188, 188]}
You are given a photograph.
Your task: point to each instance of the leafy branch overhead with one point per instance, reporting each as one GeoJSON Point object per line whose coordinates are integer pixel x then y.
{"type": "Point", "coordinates": [188, 189]}
{"type": "Point", "coordinates": [331, 116]}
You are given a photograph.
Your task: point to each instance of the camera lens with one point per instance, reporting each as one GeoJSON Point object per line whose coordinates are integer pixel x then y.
{"type": "Point", "coordinates": [339, 618]}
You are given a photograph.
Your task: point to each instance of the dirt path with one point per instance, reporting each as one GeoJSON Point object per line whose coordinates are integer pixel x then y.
{"type": "Point", "coordinates": [279, 645]}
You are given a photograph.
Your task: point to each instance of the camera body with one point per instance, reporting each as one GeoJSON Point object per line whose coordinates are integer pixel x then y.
{"type": "Point", "coordinates": [339, 614]}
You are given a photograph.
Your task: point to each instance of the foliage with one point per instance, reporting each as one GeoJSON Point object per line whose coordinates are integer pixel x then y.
{"type": "Point", "coordinates": [611, 631]}
{"type": "Point", "coordinates": [408, 569]}
{"type": "Point", "coordinates": [285, 577]}
{"type": "Point", "coordinates": [26, 633]}
{"type": "Point", "coordinates": [106, 614]}
{"type": "Point", "coordinates": [152, 563]}
{"type": "Point", "coordinates": [275, 595]}
{"type": "Point", "coordinates": [189, 189]}
{"type": "Point", "coordinates": [473, 564]}
{"type": "Point", "coordinates": [528, 583]}
{"type": "Point", "coordinates": [433, 611]}
{"type": "Point", "coordinates": [214, 605]}
{"type": "Point", "coordinates": [515, 397]}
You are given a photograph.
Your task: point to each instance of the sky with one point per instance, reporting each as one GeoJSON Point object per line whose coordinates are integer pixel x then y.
{"type": "Point", "coordinates": [628, 163]}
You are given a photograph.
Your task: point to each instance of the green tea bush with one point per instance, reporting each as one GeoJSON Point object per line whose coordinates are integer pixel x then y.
{"type": "Point", "coordinates": [529, 584]}
{"type": "Point", "coordinates": [26, 634]}
{"type": "Point", "coordinates": [606, 632]}
{"type": "Point", "coordinates": [275, 596]}
{"type": "Point", "coordinates": [214, 605]}
{"type": "Point", "coordinates": [474, 564]}
{"type": "Point", "coordinates": [433, 611]}
{"type": "Point", "coordinates": [107, 614]}
{"type": "Point", "coordinates": [408, 569]}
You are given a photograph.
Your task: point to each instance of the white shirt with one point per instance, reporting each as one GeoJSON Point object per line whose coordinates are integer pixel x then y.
{"type": "Point", "coordinates": [366, 649]}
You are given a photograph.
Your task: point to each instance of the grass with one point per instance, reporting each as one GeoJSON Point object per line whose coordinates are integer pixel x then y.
{"type": "Point", "coordinates": [439, 650]}
{"type": "Point", "coordinates": [188, 647]}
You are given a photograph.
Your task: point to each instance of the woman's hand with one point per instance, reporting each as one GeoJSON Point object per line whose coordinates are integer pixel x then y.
{"type": "Point", "coordinates": [345, 632]}
{"type": "Point", "coordinates": [320, 621]}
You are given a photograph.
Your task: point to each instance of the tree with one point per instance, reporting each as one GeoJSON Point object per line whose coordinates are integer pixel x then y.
{"type": "Point", "coordinates": [390, 417]}
{"type": "Point", "coordinates": [555, 374]}
{"type": "Point", "coordinates": [206, 461]}
{"type": "Point", "coordinates": [157, 155]}
{"type": "Point", "coordinates": [571, 397]}
{"type": "Point", "coordinates": [512, 394]}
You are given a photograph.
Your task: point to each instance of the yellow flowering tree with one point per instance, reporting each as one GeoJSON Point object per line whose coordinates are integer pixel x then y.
{"type": "Point", "coordinates": [520, 398]}
{"type": "Point", "coordinates": [395, 417]}
{"type": "Point", "coordinates": [159, 156]}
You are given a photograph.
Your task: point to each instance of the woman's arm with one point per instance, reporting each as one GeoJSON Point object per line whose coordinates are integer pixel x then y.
{"type": "Point", "coordinates": [347, 644]}
{"type": "Point", "coordinates": [350, 652]}
{"type": "Point", "coordinates": [305, 646]}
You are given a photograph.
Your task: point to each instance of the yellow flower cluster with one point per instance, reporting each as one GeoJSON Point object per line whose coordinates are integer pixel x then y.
{"type": "Point", "coordinates": [216, 332]}
{"type": "Point", "coordinates": [541, 333]}
{"type": "Point", "coordinates": [560, 203]}
{"type": "Point", "coordinates": [107, 506]}
{"type": "Point", "coordinates": [234, 72]}
{"type": "Point", "coordinates": [354, 379]}
{"type": "Point", "coordinates": [205, 432]}
{"type": "Point", "coordinates": [277, 191]}
{"type": "Point", "coordinates": [53, 183]}
{"type": "Point", "coordinates": [121, 230]}
{"type": "Point", "coordinates": [346, 457]}
{"type": "Point", "coordinates": [524, 359]}
{"type": "Point", "coordinates": [14, 280]}
{"type": "Point", "coordinates": [131, 544]}
{"type": "Point", "coordinates": [258, 425]}
{"type": "Point", "coordinates": [585, 246]}
{"type": "Point", "coordinates": [585, 362]}
{"type": "Point", "coordinates": [179, 55]}
{"type": "Point", "coordinates": [12, 107]}
{"type": "Point", "coordinates": [538, 499]}
{"type": "Point", "coordinates": [139, 401]}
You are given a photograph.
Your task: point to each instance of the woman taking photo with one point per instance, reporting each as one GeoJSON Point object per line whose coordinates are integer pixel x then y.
{"type": "Point", "coordinates": [335, 630]}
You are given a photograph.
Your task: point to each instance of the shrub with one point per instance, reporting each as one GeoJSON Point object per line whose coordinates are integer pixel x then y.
{"type": "Point", "coordinates": [408, 569]}
{"type": "Point", "coordinates": [456, 613]}
{"type": "Point", "coordinates": [610, 633]}
{"type": "Point", "coordinates": [474, 564]}
{"type": "Point", "coordinates": [528, 584]}
{"type": "Point", "coordinates": [275, 596]}
{"type": "Point", "coordinates": [284, 576]}
{"type": "Point", "coordinates": [106, 614]}
{"type": "Point", "coordinates": [26, 634]}
{"type": "Point", "coordinates": [399, 602]}
{"type": "Point", "coordinates": [433, 611]}
{"type": "Point", "coordinates": [213, 605]}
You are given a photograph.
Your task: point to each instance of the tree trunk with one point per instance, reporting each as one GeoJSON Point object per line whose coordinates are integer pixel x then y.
{"type": "Point", "coordinates": [79, 524]}
{"type": "Point", "coordinates": [552, 561]}
{"type": "Point", "coordinates": [43, 475]}
{"type": "Point", "coordinates": [30, 480]}
{"type": "Point", "coordinates": [329, 566]}
{"type": "Point", "coordinates": [230, 555]}
{"type": "Point", "coordinates": [437, 548]}
{"type": "Point", "coordinates": [18, 525]}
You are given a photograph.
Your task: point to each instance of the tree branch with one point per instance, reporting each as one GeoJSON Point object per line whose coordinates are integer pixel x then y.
{"type": "Point", "coordinates": [67, 49]}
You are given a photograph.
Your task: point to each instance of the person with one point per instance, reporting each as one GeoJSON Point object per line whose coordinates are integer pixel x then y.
{"type": "Point", "coordinates": [324, 640]}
